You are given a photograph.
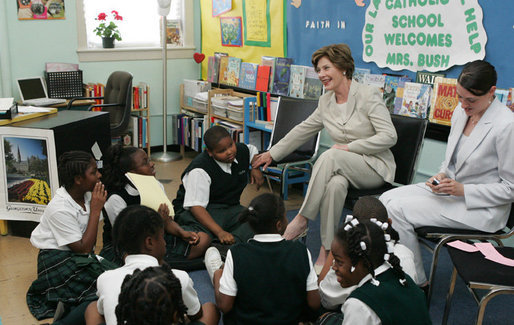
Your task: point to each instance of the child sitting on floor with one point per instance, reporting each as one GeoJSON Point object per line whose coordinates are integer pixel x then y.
{"type": "Point", "coordinates": [66, 236]}
{"type": "Point", "coordinates": [267, 280]}
{"type": "Point", "coordinates": [384, 293]}
{"type": "Point", "coordinates": [180, 244]}
{"type": "Point", "coordinates": [152, 297]}
{"type": "Point", "coordinates": [138, 233]}
{"type": "Point", "coordinates": [208, 199]}
{"type": "Point", "coordinates": [367, 207]}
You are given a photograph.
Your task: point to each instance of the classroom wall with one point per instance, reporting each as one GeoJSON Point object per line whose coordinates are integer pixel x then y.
{"type": "Point", "coordinates": [32, 43]}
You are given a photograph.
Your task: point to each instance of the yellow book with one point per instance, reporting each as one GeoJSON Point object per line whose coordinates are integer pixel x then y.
{"type": "Point", "coordinates": [444, 100]}
{"type": "Point", "coordinates": [151, 192]}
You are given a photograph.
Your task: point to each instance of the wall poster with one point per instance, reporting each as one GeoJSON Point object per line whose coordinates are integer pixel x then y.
{"type": "Point", "coordinates": [231, 31]}
{"type": "Point", "coordinates": [29, 172]}
{"type": "Point", "coordinates": [40, 9]}
{"type": "Point", "coordinates": [256, 18]}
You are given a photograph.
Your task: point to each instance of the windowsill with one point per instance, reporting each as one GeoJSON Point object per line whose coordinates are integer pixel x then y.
{"type": "Point", "coordinates": [131, 53]}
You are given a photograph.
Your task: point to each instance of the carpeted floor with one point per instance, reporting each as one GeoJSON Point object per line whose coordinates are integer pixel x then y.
{"type": "Point", "coordinates": [463, 310]}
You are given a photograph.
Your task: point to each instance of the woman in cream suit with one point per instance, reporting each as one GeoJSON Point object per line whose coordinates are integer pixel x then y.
{"type": "Point", "coordinates": [476, 180]}
{"type": "Point", "coordinates": [359, 123]}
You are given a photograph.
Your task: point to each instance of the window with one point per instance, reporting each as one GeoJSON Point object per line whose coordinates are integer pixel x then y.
{"type": "Point", "coordinates": [140, 29]}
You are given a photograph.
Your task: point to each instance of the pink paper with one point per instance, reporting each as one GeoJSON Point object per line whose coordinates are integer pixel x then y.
{"type": "Point", "coordinates": [463, 246]}
{"type": "Point", "coordinates": [490, 252]}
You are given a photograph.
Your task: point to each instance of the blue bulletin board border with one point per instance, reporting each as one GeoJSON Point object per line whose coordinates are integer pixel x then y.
{"type": "Point", "coordinates": [268, 29]}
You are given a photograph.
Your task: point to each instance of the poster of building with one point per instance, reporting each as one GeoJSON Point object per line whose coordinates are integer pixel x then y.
{"type": "Point", "coordinates": [40, 9]}
{"type": "Point", "coordinates": [29, 172]}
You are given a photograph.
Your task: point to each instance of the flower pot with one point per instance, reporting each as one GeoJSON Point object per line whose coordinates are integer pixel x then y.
{"type": "Point", "coordinates": [108, 42]}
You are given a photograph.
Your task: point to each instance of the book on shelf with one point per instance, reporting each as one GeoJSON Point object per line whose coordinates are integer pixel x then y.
{"type": "Point", "coordinates": [212, 69]}
{"type": "Point", "coordinates": [297, 80]}
{"type": "Point", "coordinates": [398, 100]}
{"type": "Point", "coordinates": [375, 80]}
{"type": "Point", "coordinates": [502, 95]}
{"type": "Point", "coordinates": [312, 86]}
{"type": "Point", "coordinates": [270, 62]}
{"type": "Point", "coordinates": [235, 130]}
{"type": "Point", "coordinates": [359, 73]}
{"type": "Point", "coordinates": [248, 75]}
{"type": "Point", "coordinates": [233, 69]}
{"type": "Point", "coordinates": [223, 73]}
{"type": "Point", "coordinates": [390, 90]}
{"type": "Point", "coordinates": [510, 99]}
{"type": "Point", "coordinates": [282, 75]}
{"type": "Point", "coordinates": [425, 77]}
{"type": "Point", "coordinates": [444, 100]}
{"type": "Point", "coordinates": [416, 99]}
{"type": "Point", "coordinates": [263, 75]}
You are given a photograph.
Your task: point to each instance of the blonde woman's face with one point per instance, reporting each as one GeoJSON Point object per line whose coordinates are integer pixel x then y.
{"type": "Point", "coordinates": [331, 77]}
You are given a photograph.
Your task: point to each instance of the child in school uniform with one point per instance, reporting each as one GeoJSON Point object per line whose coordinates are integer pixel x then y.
{"type": "Point", "coordinates": [384, 293]}
{"type": "Point", "coordinates": [138, 234]}
{"type": "Point", "coordinates": [66, 236]}
{"type": "Point", "coordinates": [208, 198]}
{"type": "Point", "coordinates": [267, 280]}
{"type": "Point", "coordinates": [152, 297]}
{"type": "Point", "coordinates": [367, 207]}
{"type": "Point", "coordinates": [180, 244]}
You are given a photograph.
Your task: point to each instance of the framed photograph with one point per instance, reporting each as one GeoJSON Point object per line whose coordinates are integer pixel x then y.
{"type": "Point", "coordinates": [28, 167]}
{"type": "Point", "coordinates": [40, 9]}
{"type": "Point", "coordinates": [231, 31]}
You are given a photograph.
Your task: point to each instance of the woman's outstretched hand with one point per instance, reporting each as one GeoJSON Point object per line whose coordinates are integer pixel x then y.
{"type": "Point", "coordinates": [262, 159]}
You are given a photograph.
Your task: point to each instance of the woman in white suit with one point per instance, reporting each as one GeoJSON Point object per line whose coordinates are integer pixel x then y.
{"type": "Point", "coordinates": [357, 120]}
{"type": "Point", "coordinates": [475, 185]}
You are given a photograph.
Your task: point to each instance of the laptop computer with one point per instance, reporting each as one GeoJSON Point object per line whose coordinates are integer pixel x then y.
{"type": "Point", "coordinates": [33, 92]}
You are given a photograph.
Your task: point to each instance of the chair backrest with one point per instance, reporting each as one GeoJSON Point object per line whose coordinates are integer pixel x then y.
{"type": "Point", "coordinates": [411, 132]}
{"type": "Point", "coordinates": [118, 90]}
{"type": "Point", "coordinates": [291, 112]}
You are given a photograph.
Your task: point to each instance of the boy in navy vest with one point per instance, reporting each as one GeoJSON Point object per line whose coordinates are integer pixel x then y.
{"type": "Point", "coordinates": [208, 198]}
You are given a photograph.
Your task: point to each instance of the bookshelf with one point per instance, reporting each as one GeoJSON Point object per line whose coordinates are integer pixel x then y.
{"type": "Point", "coordinates": [141, 113]}
{"type": "Point", "coordinates": [208, 115]}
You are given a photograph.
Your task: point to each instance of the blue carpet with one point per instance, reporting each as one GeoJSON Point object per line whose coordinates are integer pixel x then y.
{"type": "Point", "coordinates": [463, 310]}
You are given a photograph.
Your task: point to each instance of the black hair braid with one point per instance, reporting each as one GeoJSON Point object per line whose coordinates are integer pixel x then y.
{"type": "Point", "coordinates": [356, 235]}
{"type": "Point", "coordinates": [71, 164]}
{"type": "Point", "coordinates": [395, 236]}
{"type": "Point", "coordinates": [394, 261]}
{"type": "Point", "coordinates": [132, 226]}
{"type": "Point", "coordinates": [152, 296]}
{"type": "Point", "coordinates": [263, 213]}
{"type": "Point", "coordinates": [118, 161]}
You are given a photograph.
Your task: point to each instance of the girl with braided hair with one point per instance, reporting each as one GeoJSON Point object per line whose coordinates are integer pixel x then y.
{"type": "Point", "coordinates": [138, 235]}
{"type": "Point", "coordinates": [267, 280]}
{"type": "Point", "coordinates": [151, 296]}
{"type": "Point", "coordinates": [66, 237]}
{"type": "Point", "coordinates": [384, 293]}
{"type": "Point", "coordinates": [180, 244]}
{"type": "Point", "coordinates": [366, 208]}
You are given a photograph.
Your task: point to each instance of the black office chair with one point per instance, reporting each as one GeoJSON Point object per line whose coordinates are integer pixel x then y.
{"type": "Point", "coordinates": [482, 274]}
{"type": "Point", "coordinates": [411, 132]}
{"type": "Point", "coordinates": [117, 101]}
{"type": "Point", "coordinates": [297, 166]}
{"type": "Point", "coordinates": [441, 236]}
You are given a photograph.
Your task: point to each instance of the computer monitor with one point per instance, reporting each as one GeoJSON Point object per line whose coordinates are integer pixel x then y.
{"type": "Point", "coordinates": [32, 88]}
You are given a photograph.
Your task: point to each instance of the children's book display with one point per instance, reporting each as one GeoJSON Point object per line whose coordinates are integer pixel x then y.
{"type": "Point", "coordinates": [233, 70]}
{"type": "Point", "coordinates": [282, 75]}
{"type": "Point", "coordinates": [269, 61]}
{"type": "Point", "coordinates": [359, 73]}
{"type": "Point", "coordinates": [416, 99]}
{"type": "Point", "coordinates": [263, 76]}
{"type": "Point", "coordinates": [312, 87]}
{"type": "Point", "coordinates": [444, 100]}
{"type": "Point", "coordinates": [223, 73]}
{"type": "Point", "coordinates": [297, 80]}
{"type": "Point", "coordinates": [248, 75]}
{"type": "Point", "coordinates": [375, 80]}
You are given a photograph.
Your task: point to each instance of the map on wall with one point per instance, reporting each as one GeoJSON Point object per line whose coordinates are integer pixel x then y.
{"type": "Point", "coordinates": [40, 9]}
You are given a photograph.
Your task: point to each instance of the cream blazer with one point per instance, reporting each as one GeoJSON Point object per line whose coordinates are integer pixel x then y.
{"type": "Point", "coordinates": [365, 126]}
{"type": "Point", "coordinates": [485, 165]}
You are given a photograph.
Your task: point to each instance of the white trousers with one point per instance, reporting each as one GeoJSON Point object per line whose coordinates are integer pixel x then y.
{"type": "Point", "coordinates": [333, 172]}
{"type": "Point", "coordinates": [413, 206]}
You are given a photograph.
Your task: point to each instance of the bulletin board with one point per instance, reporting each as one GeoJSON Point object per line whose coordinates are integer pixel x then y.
{"type": "Point", "coordinates": [312, 24]}
{"type": "Point", "coordinates": [263, 30]}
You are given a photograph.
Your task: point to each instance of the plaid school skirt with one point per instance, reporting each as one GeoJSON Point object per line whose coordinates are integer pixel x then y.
{"type": "Point", "coordinates": [63, 276]}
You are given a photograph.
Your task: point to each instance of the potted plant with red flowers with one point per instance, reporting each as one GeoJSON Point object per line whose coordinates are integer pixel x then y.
{"type": "Point", "coordinates": [108, 31]}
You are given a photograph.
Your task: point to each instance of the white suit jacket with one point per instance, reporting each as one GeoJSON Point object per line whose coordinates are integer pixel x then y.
{"type": "Point", "coordinates": [485, 165]}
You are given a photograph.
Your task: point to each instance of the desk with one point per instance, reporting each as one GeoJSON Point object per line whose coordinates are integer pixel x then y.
{"type": "Point", "coordinates": [78, 103]}
{"type": "Point", "coordinates": [28, 116]}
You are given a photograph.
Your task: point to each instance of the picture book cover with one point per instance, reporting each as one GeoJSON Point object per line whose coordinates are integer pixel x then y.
{"type": "Point", "coordinates": [223, 74]}
{"type": "Point", "coordinates": [263, 75]}
{"type": "Point", "coordinates": [502, 95]}
{"type": "Point", "coordinates": [390, 88]}
{"type": "Point", "coordinates": [359, 73]}
{"type": "Point", "coordinates": [248, 75]}
{"type": "Point", "coordinates": [312, 87]}
{"type": "Point", "coordinates": [233, 69]}
{"type": "Point", "coordinates": [444, 100]}
{"type": "Point", "coordinates": [416, 99]}
{"type": "Point", "coordinates": [297, 80]}
{"type": "Point", "coordinates": [375, 80]}
{"type": "Point", "coordinates": [231, 31]}
{"type": "Point", "coordinates": [269, 61]}
{"type": "Point", "coordinates": [212, 69]}
{"type": "Point", "coordinates": [425, 77]}
{"type": "Point", "coordinates": [173, 32]}
{"type": "Point", "coordinates": [282, 76]}
{"type": "Point", "coordinates": [398, 100]}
